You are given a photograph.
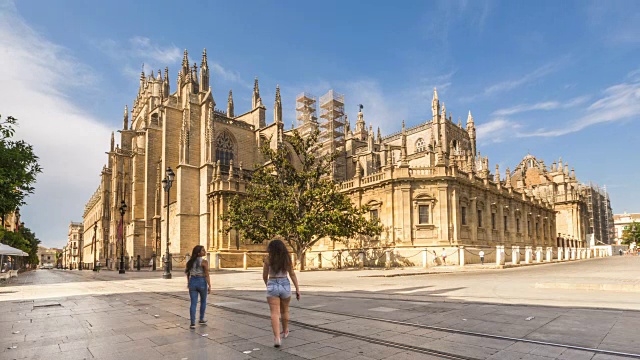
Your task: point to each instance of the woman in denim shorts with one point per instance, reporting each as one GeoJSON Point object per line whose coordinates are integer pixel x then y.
{"type": "Point", "coordinates": [277, 264]}
{"type": "Point", "coordinates": [199, 283]}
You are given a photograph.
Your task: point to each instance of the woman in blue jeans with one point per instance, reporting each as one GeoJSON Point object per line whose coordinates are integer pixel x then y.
{"type": "Point", "coordinates": [277, 264]}
{"type": "Point", "coordinates": [198, 282]}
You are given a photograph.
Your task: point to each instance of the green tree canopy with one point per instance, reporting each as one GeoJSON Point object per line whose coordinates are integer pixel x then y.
{"type": "Point", "coordinates": [298, 201]}
{"type": "Point", "coordinates": [18, 168]}
{"type": "Point", "coordinates": [631, 234]}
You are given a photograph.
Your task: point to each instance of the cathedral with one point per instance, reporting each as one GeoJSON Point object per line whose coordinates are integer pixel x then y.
{"type": "Point", "coordinates": [427, 184]}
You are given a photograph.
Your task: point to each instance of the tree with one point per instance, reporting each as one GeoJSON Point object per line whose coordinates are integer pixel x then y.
{"type": "Point", "coordinates": [18, 168]}
{"type": "Point", "coordinates": [25, 240]}
{"type": "Point", "coordinates": [631, 234]}
{"type": "Point", "coordinates": [298, 203]}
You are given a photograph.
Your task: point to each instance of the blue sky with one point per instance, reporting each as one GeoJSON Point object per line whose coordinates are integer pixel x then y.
{"type": "Point", "coordinates": [556, 79]}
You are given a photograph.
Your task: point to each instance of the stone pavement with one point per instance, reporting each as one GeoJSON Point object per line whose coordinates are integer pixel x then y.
{"type": "Point", "coordinates": [52, 314]}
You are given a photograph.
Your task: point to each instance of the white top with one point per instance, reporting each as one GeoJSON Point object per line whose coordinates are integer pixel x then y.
{"type": "Point", "coordinates": [481, 253]}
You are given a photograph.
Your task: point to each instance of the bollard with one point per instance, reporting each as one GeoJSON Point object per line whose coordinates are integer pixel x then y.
{"type": "Point", "coordinates": [560, 252]}
{"type": "Point", "coordinates": [538, 254]}
{"type": "Point", "coordinates": [588, 253]}
{"type": "Point", "coordinates": [138, 266]}
{"type": "Point", "coordinates": [498, 254]}
{"type": "Point", "coordinates": [573, 253]}
{"type": "Point", "coordinates": [549, 256]}
{"type": "Point", "coordinates": [244, 261]}
{"type": "Point", "coordinates": [567, 251]}
{"type": "Point", "coordinates": [339, 259]}
{"type": "Point", "coordinates": [515, 254]}
{"type": "Point", "coordinates": [425, 260]}
{"type": "Point", "coordinates": [216, 261]}
{"type": "Point", "coordinates": [527, 254]}
{"type": "Point", "coordinates": [387, 264]}
{"type": "Point", "coordinates": [461, 256]}
{"type": "Point", "coordinates": [153, 264]}
{"type": "Point", "coordinates": [361, 260]}
{"type": "Point", "coordinates": [319, 260]}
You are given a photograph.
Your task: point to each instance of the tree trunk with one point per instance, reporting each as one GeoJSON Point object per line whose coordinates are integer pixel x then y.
{"type": "Point", "coordinates": [302, 259]}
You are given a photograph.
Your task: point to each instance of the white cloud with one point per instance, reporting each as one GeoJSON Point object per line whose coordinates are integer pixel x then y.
{"type": "Point", "coordinates": [526, 79]}
{"type": "Point", "coordinates": [139, 53]}
{"type": "Point", "coordinates": [618, 103]}
{"type": "Point", "coordinates": [547, 105]}
{"type": "Point", "coordinates": [496, 130]}
{"type": "Point", "coordinates": [36, 75]}
{"type": "Point", "coordinates": [228, 75]}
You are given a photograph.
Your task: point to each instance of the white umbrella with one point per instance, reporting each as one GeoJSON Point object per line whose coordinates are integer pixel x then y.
{"type": "Point", "coordinates": [11, 251]}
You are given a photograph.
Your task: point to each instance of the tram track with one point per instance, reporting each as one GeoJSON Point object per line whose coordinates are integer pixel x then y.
{"type": "Point", "coordinates": [448, 330]}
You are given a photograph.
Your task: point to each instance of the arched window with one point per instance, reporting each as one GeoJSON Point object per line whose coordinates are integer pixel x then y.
{"type": "Point", "coordinates": [224, 148]}
{"type": "Point", "coordinates": [455, 144]}
{"type": "Point", "coordinates": [420, 146]}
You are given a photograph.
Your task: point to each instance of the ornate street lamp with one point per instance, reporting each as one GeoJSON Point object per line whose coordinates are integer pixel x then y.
{"type": "Point", "coordinates": [95, 247]}
{"type": "Point", "coordinates": [123, 209]}
{"type": "Point", "coordinates": [166, 184]}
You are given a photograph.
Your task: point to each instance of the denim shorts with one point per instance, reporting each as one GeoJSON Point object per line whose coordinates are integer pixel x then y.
{"type": "Point", "coordinates": [280, 287]}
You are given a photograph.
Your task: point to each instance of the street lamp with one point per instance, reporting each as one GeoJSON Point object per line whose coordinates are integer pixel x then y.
{"type": "Point", "coordinates": [95, 247]}
{"type": "Point", "coordinates": [166, 184]}
{"type": "Point", "coordinates": [123, 209]}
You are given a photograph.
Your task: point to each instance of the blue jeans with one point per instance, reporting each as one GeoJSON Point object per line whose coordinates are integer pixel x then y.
{"type": "Point", "coordinates": [197, 285]}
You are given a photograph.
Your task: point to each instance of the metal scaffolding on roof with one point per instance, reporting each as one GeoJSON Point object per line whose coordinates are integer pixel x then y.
{"type": "Point", "coordinates": [331, 135]}
{"type": "Point", "coordinates": [306, 113]}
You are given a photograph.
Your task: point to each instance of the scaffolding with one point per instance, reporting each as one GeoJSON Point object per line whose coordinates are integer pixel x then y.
{"type": "Point", "coordinates": [599, 213]}
{"type": "Point", "coordinates": [331, 136]}
{"type": "Point", "coordinates": [306, 113]}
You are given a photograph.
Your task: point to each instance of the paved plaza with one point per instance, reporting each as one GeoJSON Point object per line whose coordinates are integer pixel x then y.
{"type": "Point", "coordinates": [578, 310]}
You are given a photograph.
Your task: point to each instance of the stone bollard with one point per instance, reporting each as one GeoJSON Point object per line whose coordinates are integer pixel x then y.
{"type": "Point", "coordinates": [425, 260]}
{"type": "Point", "coordinates": [319, 260]}
{"type": "Point", "coordinates": [515, 255]}
{"type": "Point", "coordinates": [216, 261]}
{"type": "Point", "coordinates": [461, 259]}
{"type": "Point", "coordinates": [528, 254]}
{"type": "Point", "coordinates": [588, 253]}
{"type": "Point", "coordinates": [560, 253]}
{"type": "Point", "coordinates": [361, 260]}
{"type": "Point", "coordinates": [567, 252]}
{"type": "Point", "coordinates": [538, 254]}
{"type": "Point", "coordinates": [549, 255]}
{"type": "Point", "coordinates": [244, 261]}
{"type": "Point", "coordinates": [387, 258]}
{"type": "Point", "coordinates": [573, 253]}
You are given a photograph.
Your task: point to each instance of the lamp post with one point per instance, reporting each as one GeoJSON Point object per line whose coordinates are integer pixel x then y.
{"type": "Point", "coordinates": [95, 247]}
{"type": "Point", "coordinates": [166, 184]}
{"type": "Point", "coordinates": [123, 209]}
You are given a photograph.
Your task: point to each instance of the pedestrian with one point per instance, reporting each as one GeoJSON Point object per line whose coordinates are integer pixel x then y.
{"type": "Point", "coordinates": [151, 264]}
{"type": "Point", "coordinates": [481, 253]}
{"type": "Point", "coordinates": [435, 257]}
{"type": "Point", "coordinates": [199, 283]}
{"type": "Point", "coordinates": [444, 257]}
{"type": "Point", "coordinates": [620, 251]}
{"type": "Point", "coordinates": [277, 264]}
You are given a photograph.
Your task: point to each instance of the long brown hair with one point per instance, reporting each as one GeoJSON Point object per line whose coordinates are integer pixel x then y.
{"type": "Point", "coordinates": [194, 256]}
{"type": "Point", "coordinates": [279, 258]}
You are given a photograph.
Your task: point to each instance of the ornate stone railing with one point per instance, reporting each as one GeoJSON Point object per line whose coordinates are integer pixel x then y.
{"type": "Point", "coordinates": [346, 185]}
{"type": "Point", "coordinates": [422, 171]}
{"type": "Point", "coordinates": [373, 178]}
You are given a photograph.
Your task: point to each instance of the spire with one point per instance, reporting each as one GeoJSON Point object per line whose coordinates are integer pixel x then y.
{"type": "Point", "coordinates": [347, 125]}
{"type": "Point", "coordinates": [256, 94]}
{"type": "Point", "coordinates": [165, 83]}
{"type": "Point", "coordinates": [230, 105]}
{"type": "Point", "coordinates": [507, 178]}
{"type": "Point", "coordinates": [204, 72]}
{"type": "Point", "coordinates": [435, 104]}
{"type": "Point", "coordinates": [403, 128]}
{"type": "Point", "coordinates": [113, 141]}
{"type": "Point", "coordinates": [470, 120]}
{"type": "Point", "coordinates": [277, 107]}
{"type": "Point", "coordinates": [379, 136]}
{"type": "Point", "coordinates": [185, 60]}
{"type": "Point", "coordinates": [142, 78]}
{"type": "Point", "coordinates": [459, 122]}
{"type": "Point", "coordinates": [497, 175]}
{"type": "Point", "coordinates": [125, 122]}
{"type": "Point", "coordinates": [403, 148]}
